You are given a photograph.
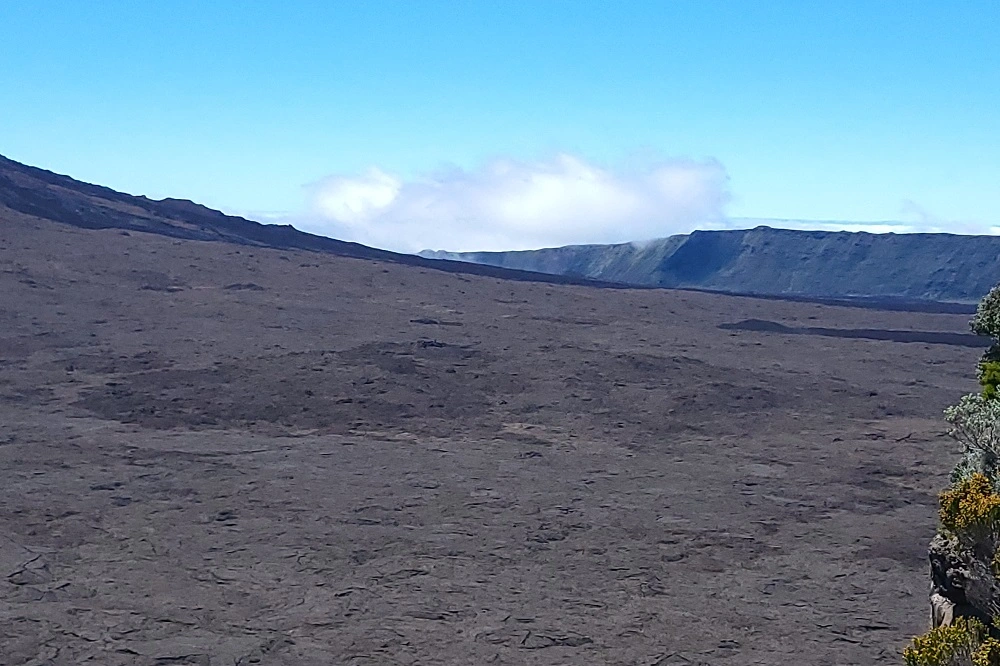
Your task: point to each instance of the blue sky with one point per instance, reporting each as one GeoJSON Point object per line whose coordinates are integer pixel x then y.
{"type": "Point", "coordinates": [489, 124]}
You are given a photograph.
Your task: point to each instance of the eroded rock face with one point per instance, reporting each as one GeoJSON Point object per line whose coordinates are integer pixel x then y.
{"type": "Point", "coordinates": [942, 610]}
{"type": "Point", "coordinates": [963, 583]}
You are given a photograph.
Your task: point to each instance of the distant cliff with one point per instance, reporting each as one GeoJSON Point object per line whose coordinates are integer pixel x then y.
{"type": "Point", "coordinates": [781, 262]}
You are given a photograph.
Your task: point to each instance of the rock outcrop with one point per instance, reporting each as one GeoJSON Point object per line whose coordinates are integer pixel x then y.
{"type": "Point", "coordinates": [963, 583]}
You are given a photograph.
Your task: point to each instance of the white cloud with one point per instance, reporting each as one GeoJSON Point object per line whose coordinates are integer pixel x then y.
{"type": "Point", "coordinates": [508, 204]}
{"type": "Point", "coordinates": [352, 201]}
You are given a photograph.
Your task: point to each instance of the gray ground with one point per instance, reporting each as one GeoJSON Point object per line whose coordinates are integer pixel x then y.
{"type": "Point", "coordinates": [219, 455]}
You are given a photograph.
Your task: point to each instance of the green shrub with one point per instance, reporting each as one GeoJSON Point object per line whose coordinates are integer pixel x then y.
{"type": "Point", "coordinates": [989, 378]}
{"type": "Point", "coordinates": [988, 653]}
{"type": "Point", "coordinates": [987, 322]}
{"type": "Point", "coordinates": [969, 504]}
{"type": "Point", "coordinates": [987, 318]}
{"type": "Point", "coordinates": [957, 644]}
{"type": "Point", "coordinates": [975, 422]}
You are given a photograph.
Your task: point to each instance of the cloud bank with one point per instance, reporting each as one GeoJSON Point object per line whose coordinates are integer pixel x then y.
{"type": "Point", "coordinates": [508, 204]}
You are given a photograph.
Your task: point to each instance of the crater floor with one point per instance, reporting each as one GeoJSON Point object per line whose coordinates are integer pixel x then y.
{"type": "Point", "coordinates": [219, 454]}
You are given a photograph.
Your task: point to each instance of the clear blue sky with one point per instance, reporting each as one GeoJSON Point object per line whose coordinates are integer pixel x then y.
{"type": "Point", "coordinates": [842, 110]}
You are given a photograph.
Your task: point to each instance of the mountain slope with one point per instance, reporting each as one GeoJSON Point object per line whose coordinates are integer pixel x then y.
{"type": "Point", "coordinates": [40, 194]}
{"type": "Point", "coordinates": [818, 264]}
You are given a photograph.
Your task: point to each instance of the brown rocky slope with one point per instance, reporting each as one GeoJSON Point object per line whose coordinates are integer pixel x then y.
{"type": "Point", "coordinates": [222, 453]}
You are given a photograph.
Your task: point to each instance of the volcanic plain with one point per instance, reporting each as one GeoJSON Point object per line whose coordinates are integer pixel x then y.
{"type": "Point", "coordinates": [218, 454]}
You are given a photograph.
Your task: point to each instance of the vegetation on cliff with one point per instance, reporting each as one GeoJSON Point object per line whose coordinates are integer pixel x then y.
{"type": "Point", "coordinates": [964, 641]}
{"type": "Point", "coordinates": [965, 555]}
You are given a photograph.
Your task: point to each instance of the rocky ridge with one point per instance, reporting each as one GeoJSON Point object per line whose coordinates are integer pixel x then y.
{"type": "Point", "coordinates": [785, 262]}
